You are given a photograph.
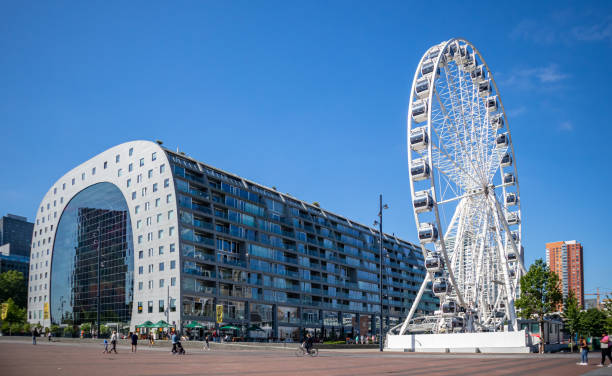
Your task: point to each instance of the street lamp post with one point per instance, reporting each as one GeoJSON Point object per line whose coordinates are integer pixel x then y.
{"type": "Point", "coordinates": [98, 292]}
{"type": "Point", "coordinates": [380, 259]}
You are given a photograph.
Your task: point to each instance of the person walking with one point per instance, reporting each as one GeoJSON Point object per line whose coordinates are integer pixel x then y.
{"type": "Point", "coordinates": [584, 352]}
{"type": "Point", "coordinates": [34, 334]}
{"type": "Point", "coordinates": [174, 341]}
{"type": "Point", "coordinates": [105, 346]}
{"type": "Point", "coordinates": [114, 342]}
{"type": "Point", "coordinates": [605, 349]}
{"type": "Point", "coordinates": [49, 336]}
{"type": "Point", "coordinates": [206, 344]}
{"type": "Point", "coordinates": [134, 338]}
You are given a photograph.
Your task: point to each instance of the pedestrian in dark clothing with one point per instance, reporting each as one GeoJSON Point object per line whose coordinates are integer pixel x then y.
{"type": "Point", "coordinates": [206, 345]}
{"type": "Point", "coordinates": [605, 349]}
{"type": "Point", "coordinates": [134, 341]}
{"type": "Point", "coordinates": [34, 334]}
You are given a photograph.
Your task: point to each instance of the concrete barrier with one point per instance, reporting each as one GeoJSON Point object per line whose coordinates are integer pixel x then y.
{"type": "Point", "coordinates": [497, 342]}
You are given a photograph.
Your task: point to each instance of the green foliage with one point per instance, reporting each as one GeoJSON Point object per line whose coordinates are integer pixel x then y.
{"type": "Point", "coordinates": [27, 328]}
{"type": "Point", "coordinates": [68, 331]}
{"type": "Point", "coordinates": [104, 330]}
{"type": "Point", "coordinates": [16, 328]}
{"type": "Point", "coordinates": [592, 322]}
{"type": "Point", "coordinates": [540, 293]}
{"type": "Point", "coordinates": [13, 286]}
{"type": "Point", "coordinates": [607, 309]}
{"type": "Point", "coordinates": [86, 327]}
{"type": "Point", "coordinates": [572, 315]}
{"type": "Point", "coordinates": [55, 330]}
{"type": "Point", "coordinates": [14, 313]}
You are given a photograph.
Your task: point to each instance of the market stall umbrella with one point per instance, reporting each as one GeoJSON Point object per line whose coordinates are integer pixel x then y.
{"type": "Point", "coordinates": [230, 327]}
{"type": "Point", "coordinates": [161, 324]}
{"type": "Point", "coordinates": [146, 324]}
{"type": "Point", "coordinates": [194, 325]}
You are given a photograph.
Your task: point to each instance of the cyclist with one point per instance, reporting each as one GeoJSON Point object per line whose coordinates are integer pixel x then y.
{"type": "Point", "coordinates": [308, 342]}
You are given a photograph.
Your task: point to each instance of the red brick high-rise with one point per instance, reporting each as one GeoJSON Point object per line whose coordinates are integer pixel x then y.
{"type": "Point", "coordinates": [565, 259]}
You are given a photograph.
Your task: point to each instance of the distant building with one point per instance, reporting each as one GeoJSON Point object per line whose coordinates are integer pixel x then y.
{"type": "Point", "coordinates": [15, 242]}
{"type": "Point", "coordinates": [565, 259]}
{"type": "Point", "coordinates": [590, 303]}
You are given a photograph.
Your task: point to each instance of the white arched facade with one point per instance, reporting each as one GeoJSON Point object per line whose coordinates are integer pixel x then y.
{"type": "Point", "coordinates": [142, 172]}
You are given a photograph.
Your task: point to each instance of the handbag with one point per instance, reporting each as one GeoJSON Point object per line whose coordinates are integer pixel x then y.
{"type": "Point", "coordinates": [604, 345]}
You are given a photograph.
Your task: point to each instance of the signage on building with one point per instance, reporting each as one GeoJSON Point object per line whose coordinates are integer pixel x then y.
{"type": "Point", "coordinates": [46, 311]}
{"type": "Point", "coordinates": [4, 311]}
{"type": "Point", "coordinates": [219, 313]}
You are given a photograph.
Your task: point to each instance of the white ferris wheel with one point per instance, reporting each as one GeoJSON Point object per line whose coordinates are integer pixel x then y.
{"type": "Point", "coordinates": [465, 193]}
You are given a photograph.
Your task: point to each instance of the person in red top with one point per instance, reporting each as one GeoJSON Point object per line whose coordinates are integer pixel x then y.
{"type": "Point", "coordinates": [605, 349]}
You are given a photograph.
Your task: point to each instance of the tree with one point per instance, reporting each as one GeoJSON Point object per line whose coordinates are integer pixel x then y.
{"type": "Point", "coordinates": [593, 322]}
{"type": "Point", "coordinates": [13, 286]}
{"type": "Point", "coordinates": [572, 316]}
{"type": "Point", "coordinates": [540, 294]}
{"type": "Point", "coordinates": [607, 309]}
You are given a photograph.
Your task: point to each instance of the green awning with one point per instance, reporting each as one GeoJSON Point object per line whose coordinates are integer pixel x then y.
{"type": "Point", "coordinates": [146, 324]}
{"type": "Point", "coordinates": [230, 327]}
{"type": "Point", "coordinates": [194, 325]}
{"type": "Point", "coordinates": [161, 324]}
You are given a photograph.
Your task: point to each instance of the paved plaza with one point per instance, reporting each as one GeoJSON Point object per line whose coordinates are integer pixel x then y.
{"type": "Point", "coordinates": [18, 357]}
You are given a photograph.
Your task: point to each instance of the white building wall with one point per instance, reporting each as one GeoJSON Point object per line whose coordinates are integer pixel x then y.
{"type": "Point", "coordinates": [61, 192]}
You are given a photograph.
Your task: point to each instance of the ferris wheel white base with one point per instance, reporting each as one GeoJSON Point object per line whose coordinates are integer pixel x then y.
{"type": "Point", "coordinates": [491, 342]}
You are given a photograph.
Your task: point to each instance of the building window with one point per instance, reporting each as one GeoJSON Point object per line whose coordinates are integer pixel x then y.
{"type": "Point", "coordinates": [162, 168]}
{"type": "Point", "coordinates": [131, 151]}
{"type": "Point", "coordinates": [93, 171]}
{"type": "Point", "coordinates": [154, 156]}
{"type": "Point", "coordinates": [172, 264]}
{"type": "Point", "coordinates": [140, 270]}
{"type": "Point", "coordinates": [172, 247]}
{"type": "Point", "coordinates": [119, 172]}
{"type": "Point", "coordinates": [140, 254]}
{"type": "Point", "coordinates": [72, 181]}
{"type": "Point", "coordinates": [160, 234]}
{"type": "Point", "coordinates": [173, 281]}
{"type": "Point", "coordinates": [161, 305]}
{"type": "Point", "coordinates": [151, 285]}
{"type": "Point", "coordinates": [157, 200]}
{"type": "Point", "coordinates": [138, 223]}
{"type": "Point", "coordinates": [130, 167]}
{"type": "Point", "coordinates": [83, 176]}
{"type": "Point", "coordinates": [129, 182]}
{"type": "Point", "coordinates": [141, 162]}
{"type": "Point", "coordinates": [166, 183]}
{"type": "Point", "coordinates": [150, 174]}
{"type": "Point", "coordinates": [161, 266]}
{"type": "Point", "coordinates": [170, 215]}
{"type": "Point", "coordinates": [159, 218]}
{"type": "Point", "coordinates": [139, 285]}
{"type": "Point", "coordinates": [136, 209]}
{"type": "Point", "coordinates": [150, 303]}
{"type": "Point", "coordinates": [63, 186]}
{"type": "Point", "coordinates": [161, 249]}
{"type": "Point", "coordinates": [169, 198]}
{"type": "Point", "coordinates": [105, 165]}
{"type": "Point", "coordinates": [117, 157]}
{"type": "Point", "coordinates": [172, 305]}
{"type": "Point", "coordinates": [171, 231]}
{"type": "Point", "coordinates": [155, 187]}
{"type": "Point", "coordinates": [139, 239]}
{"type": "Point", "coordinates": [139, 307]}
{"type": "Point", "coordinates": [161, 283]}
{"type": "Point", "coordinates": [134, 195]}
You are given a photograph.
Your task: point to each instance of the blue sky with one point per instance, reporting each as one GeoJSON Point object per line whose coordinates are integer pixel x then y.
{"type": "Point", "coordinates": [310, 97]}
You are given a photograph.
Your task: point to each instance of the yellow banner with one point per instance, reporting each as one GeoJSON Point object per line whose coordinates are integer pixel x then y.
{"type": "Point", "coordinates": [4, 311]}
{"type": "Point", "coordinates": [219, 313]}
{"type": "Point", "coordinates": [46, 311]}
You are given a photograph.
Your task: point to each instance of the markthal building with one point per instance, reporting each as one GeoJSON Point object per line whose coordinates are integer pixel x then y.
{"type": "Point", "coordinates": [141, 233]}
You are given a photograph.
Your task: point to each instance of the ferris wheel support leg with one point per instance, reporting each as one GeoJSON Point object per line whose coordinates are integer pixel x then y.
{"type": "Point", "coordinates": [503, 222]}
{"type": "Point", "coordinates": [445, 255]}
{"type": "Point", "coordinates": [417, 300]}
{"type": "Point", "coordinates": [504, 267]}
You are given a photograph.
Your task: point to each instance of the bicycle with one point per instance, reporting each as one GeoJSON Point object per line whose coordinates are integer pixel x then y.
{"type": "Point", "coordinates": [301, 351]}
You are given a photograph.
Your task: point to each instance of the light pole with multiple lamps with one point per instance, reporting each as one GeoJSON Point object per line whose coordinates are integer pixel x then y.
{"type": "Point", "coordinates": [381, 260]}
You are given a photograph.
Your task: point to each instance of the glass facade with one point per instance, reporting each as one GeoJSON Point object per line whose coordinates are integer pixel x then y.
{"type": "Point", "coordinates": [281, 266]}
{"type": "Point", "coordinates": [94, 227]}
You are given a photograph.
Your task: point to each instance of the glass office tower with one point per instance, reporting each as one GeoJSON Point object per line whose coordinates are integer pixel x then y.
{"type": "Point", "coordinates": [200, 238]}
